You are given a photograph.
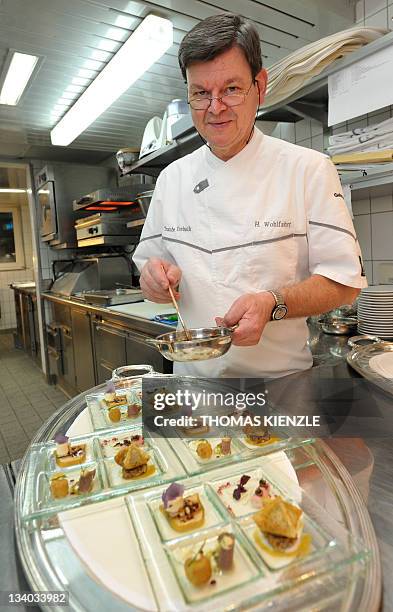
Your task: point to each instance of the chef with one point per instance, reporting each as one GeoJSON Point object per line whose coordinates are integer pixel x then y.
{"type": "Point", "coordinates": [248, 229]}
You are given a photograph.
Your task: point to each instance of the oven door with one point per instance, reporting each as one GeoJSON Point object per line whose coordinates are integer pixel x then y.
{"type": "Point", "coordinates": [47, 205]}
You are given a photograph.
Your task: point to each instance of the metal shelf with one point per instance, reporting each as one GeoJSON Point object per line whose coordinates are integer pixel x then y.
{"type": "Point", "coordinates": [310, 102]}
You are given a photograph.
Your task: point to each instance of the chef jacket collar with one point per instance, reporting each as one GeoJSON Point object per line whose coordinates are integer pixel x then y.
{"type": "Point", "coordinates": [246, 153]}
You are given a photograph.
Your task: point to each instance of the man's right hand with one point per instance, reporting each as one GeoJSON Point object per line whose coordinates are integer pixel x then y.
{"type": "Point", "coordinates": [157, 275]}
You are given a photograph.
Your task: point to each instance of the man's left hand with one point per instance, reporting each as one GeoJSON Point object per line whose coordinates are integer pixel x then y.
{"type": "Point", "coordinates": [251, 311]}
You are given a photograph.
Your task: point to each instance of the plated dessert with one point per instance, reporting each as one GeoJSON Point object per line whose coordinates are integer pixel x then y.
{"type": "Point", "coordinates": [134, 462]}
{"type": "Point", "coordinates": [243, 495]}
{"type": "Point", "coordinates": [121, 404]}
{"type": "Point", "coordinates": [66, 454]}
{"type": "Point", "coordinates": [184, 513]}
{"type": "Point", "coordinates": [257, 436]}
{"type": "Point", "coordinates": [205, 450]}
{"type": "Point", "coordinates": [279, 532]}
{"type": "Point", "coordinates": [211, 564]}
{"type": "Point", "coordinates": [62, 485]}
{"type": "Point", "coordinates": [111, 445]}
{"type": "Point", "coordinates": [200, 567]}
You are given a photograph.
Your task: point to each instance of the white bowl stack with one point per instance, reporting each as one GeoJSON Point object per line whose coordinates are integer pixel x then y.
{"type": "Point", "coordinates": [375, 311]}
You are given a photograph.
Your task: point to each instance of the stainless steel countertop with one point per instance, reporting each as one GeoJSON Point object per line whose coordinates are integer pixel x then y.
{"type": "Point", "coordinates": [132, 321]}
{"type": "Point", "coordinates": [368, 460]}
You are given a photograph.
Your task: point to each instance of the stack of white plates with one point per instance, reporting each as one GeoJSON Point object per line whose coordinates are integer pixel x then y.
{"type": "Point", "coordinates": [375, 311]}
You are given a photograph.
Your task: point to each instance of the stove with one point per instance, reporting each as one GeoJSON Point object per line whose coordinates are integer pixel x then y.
{"type": "Point", "coordinates": [111, 297]}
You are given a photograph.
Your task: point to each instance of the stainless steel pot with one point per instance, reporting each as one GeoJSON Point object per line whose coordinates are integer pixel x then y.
{"type": "Point", "coordinates": [205, 343]}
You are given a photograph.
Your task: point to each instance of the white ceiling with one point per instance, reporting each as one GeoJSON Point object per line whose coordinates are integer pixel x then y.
{"type": "Point", "coordinates": [83, 35]}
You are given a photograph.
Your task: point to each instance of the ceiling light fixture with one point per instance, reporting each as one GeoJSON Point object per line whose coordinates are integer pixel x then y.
{"type": "Point", "coordinates": [19, 68]}
{"type": "Point", "coordinates": [151, 39]}
{"type": "Point", "coordinates": [7, 190]}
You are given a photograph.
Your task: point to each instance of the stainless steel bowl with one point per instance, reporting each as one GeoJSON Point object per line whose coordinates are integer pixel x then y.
{"type": "Point", "coordinates": [205, 343]}
{"type": "Point", "coordinates": [123, 375]}
{"type": "Point", "coordinates": [339, 326]}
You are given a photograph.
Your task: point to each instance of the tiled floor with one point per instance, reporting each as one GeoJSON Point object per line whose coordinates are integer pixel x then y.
{"type": "Point", "coordinates": [26, 401]}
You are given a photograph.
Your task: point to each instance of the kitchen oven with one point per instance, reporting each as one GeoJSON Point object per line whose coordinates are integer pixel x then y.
{"type": "Point", "coordinates": [47, 204]}
{"type": "Point", "coordinates": [57, 185]}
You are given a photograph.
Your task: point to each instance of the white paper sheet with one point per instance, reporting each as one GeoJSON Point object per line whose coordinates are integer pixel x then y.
{"type": "Point", "coordinates": [361, 88]}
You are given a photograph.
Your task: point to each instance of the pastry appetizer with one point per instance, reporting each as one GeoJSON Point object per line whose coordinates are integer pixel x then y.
{"type": "Point", "coordinates": [279, 529]}
{"type": "Point", "coordinates": [183, 513]}
{"type": "Point", "coordinates": [198, 569]}
{"type": "Point", "coordinates": [212, 449]}
{"type": "Point", "coordinates": [62, 486]}
{"type": "Point", "coordinates": [203, 566]}
{"type": "Point", "coordinates": [204, 449]}
{"type": "Point", "coordinates": [256, 435]}
{"type": "Point", "coordinates": [59, 486]}
{"type": "Point", "coordinates": [114, 414]}
{"type": "Point", "coordinates": [67, 454]}
{"type": "Point", "coordinates": [134, 461]}
{"type": "Point", "coordinates": [111, 399]}
{"type": "Point", "coordinates": [112, 445]}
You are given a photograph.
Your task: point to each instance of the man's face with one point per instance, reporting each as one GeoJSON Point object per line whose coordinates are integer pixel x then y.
{"type": "Point", "coordinates": [226, 129]}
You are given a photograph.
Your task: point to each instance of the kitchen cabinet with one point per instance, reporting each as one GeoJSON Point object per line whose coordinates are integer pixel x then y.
{"type": "Point", "coordinates": [67, 371]}
{"type": "Point", "coordinates": [27, 331]}
{"type": "Point", "coordinates": [26, 312]}
{"type": "Point", "coordinates": [86, 343]}
{"type": "Point", "coordinates": [36, 345]}
{"type": "Point", "coordinates": [61, 314]}
{"type": "Point", "coordinates": [109, 347]}
{"type": "Point", "coordinates": [83, 349]}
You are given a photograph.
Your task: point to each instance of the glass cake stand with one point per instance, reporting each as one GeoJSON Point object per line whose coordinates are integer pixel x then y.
{"type": "Point", "coordinates": [52, 563]}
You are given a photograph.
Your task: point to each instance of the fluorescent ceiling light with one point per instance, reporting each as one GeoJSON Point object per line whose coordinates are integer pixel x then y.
{"type": "Point", "coordinates": [146, 45]}
{"type": "Point", "coordinates": [18, 75]}
{"type": "Point", "coordinates": [80, 81]}
{"type": "Point", "coordinates": [74, 88]}
{"type": "Point", "coordinates": [4, 190]}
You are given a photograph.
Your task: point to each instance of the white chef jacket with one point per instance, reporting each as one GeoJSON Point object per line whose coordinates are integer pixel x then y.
{"type": "Point", "coordinates": [267, 218]}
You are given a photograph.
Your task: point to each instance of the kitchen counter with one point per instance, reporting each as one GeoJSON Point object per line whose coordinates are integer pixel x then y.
{"type": "Point", "coordinates": [28, 288]}
{"type": "Point", "coordinates": [137, 315]}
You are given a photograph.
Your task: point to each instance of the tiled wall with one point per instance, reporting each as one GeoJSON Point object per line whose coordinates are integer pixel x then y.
{"type": "Point", "coordinates": [374, 13]}
{"type": "Point", "coordinates": [373, 217]}
{"type": "Point", "coordinates": [7, 319]}
{"type": "Point", "coordinates": [373, 220]}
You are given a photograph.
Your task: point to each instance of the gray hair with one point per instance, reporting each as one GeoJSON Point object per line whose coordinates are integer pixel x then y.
{"type": "Point", "coordinates": [216, 34]}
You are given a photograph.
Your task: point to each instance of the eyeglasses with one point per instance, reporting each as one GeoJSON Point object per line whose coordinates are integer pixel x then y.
{"type": "Point", "coordinates": [230, 99]}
